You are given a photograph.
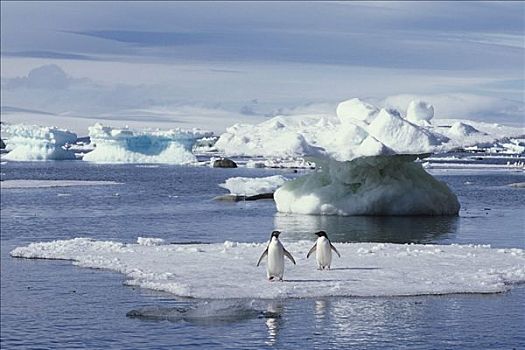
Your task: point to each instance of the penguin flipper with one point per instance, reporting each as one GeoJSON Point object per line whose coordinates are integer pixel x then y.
{"type": "Point", "coordinates": [311, 250]}
{"type": "Point", "coordinates": [289, 256]}
{"type": "Point", "coordinates": [262, 256]}
{"type": "Point", "coordinates": [335, 250]}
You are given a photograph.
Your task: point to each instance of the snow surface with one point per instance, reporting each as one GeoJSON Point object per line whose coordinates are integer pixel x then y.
{"type": "Point", "coordinates": [228, 270]}
{"type": "Point", "coordinates": [359, 129]}
{"type": "Point", "coordinates": [34, 142]}
{"type": "Point", "coordinates": [114, 145]}
{"type": "Point", "coordinates": [6, 184]}
{"type": "Point", "coordinates": [250, 186]}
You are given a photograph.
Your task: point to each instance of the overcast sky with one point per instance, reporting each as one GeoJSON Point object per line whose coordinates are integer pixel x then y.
{"type": "Point", "coordinates": [210, 64]}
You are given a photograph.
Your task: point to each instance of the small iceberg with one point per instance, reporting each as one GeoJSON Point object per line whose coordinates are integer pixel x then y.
{"type": "Point", "coordinates": [34, 142]}
{"type": "Point", "coordinates": [124, 145]}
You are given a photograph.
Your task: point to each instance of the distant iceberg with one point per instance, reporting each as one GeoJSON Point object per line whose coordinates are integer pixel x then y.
{"type": "Point", "coordinates": [34, 142]}
{"type": "Point", "coordinates": [114, 145]}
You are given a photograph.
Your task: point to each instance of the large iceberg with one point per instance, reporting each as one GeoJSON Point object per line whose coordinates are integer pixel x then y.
{"type": "Point", "coordinates": [365, 158]}
{"type": "Point", "coordinates": [364, 269]}
{"type": "Point", "coordinates": [376, 185]}
{"type": "Point", "coordinates": [115, 145]}
{"type": "Point", "coordinates": [34, 142]}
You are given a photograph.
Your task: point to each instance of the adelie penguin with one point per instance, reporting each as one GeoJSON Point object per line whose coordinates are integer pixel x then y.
{"type": "Point", "coordinates": [323, 247]}
{"type": "Point", "coordinates": [276, 253]}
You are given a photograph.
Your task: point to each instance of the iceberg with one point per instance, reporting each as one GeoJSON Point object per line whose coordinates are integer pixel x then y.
{"type": "Point", "coordinates": [364, 269]}
{"type": "Point", "coordinates": [123, 145]}
{"type": "Point", "coordinates": [34, 142]}
{"type": "Point", "coordinates": [249, 186]}
{"type": "Point", "coordinates": [378, 185]}
{"type": "Point", "coordinates": [364, 157]}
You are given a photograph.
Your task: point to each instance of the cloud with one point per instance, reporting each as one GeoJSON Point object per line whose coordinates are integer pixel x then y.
{"type": "Point", "coordinates": [45, 77]}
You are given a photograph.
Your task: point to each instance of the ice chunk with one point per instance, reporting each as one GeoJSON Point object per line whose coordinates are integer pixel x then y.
{"type": "Point", "coordinates": [355, 109]}
{"type": "Point", "coordinates": [401, 135]}
{"type": "Point", "coordinates": [380, 185]}
{"type": "Point", "coordinates": [418, 111]}
{"type": "Point", "coordinates": [115, 145]}
{"type": "Point", "coordinates": [218, 271]}
{"type": "Point", "coordinates": [149, 241]}
{"type": "Point", "coordinates": [250, 186]}
{"type": "Point", "coordinates": [459, 129]}
{"type": "Point", "coordinates": [34, 142]}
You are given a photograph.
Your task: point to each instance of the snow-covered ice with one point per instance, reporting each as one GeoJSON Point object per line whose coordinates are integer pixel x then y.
{"type": "Point", "coordinates": [364, 155]}
{"type": "Point", "coordinates": [250, 186]}
{"type": "Point", "coordinates": [34, 142]}
{"type": "Point", "coordinates": [114, 145]}
{"type": "Point", "coordinates": [7, 184]}
{"type": "Point", "coordinates": [228, 270]}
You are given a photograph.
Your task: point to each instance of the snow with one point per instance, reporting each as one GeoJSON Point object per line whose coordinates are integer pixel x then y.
{"type": "Point", "coordinates": [228, 271]}
{"type": "Point", "coordinates": [360, 155]}
{"type": "Point", "coordinates": [355, 109]}
{"type": "Point", "coordinates": [249, 186]}
{"type": "Point", "coordinates": [381, 185]}
{"type": "Point", "coordinates": [34, 142]}
{"type": "Point", "coordinates": [149, 241]}
{"type": "Point", "coordinates": [460, 129]}
{"type": "Point", "coordinates": [420, 111]}
{"type": "Point", "coordinates": [8, 184]}
{"type": "Point", "coordinates": [115, 145]}
{"type": "Point", "coordinates": [359, 129]}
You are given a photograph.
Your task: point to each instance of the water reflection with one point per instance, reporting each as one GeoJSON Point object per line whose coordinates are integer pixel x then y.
{"type": "Point", "coordinates": [273, 324]}
{"type": "Point", "coordinates": [393, 229]}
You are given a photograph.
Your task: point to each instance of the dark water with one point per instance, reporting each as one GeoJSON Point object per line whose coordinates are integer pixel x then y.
{"type": "Point", "coordinates": [53, 304]}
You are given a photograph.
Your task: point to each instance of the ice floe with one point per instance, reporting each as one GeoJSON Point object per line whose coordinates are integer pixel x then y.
{"type": "Point", "coordinates": [249, 186]}
{"type": "Point", "coordinates": [33, 142]}
{"type": "Point", "coordinates": [228, 270]}
{"type": "Point", "coordinates": [124, 145]}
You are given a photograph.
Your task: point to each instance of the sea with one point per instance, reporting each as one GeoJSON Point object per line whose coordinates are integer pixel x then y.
{"type": "Point", "coordinates": [53, 304]}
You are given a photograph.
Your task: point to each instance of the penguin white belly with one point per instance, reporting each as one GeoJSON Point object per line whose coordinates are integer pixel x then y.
{"type": "Point", "coordinates": [324, 253]}
{"type": "Point", "coordinates": [275, 260]}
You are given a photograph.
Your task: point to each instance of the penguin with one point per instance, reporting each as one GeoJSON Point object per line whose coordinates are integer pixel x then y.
{"type": "Point", "coordinates": [276, 253]}
{"type": "Point", "coordinates": [324, 248]}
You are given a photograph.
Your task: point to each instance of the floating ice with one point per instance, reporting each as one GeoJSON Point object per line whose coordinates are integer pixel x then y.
{"type": "Point", "coordinates": [33, 142]}
{"type": "Point", "coordinates": [114, 145]}
{"type": "Point", "coordinates": [361, 158]}
{"type": "Point", "coordinates": [249, 186]}
{"type": "Point", "coordinates": [380, 185]}
{"type": "Point", "coordinates": [52, 183]}
{"type": "Point", "coordinates": [226, 271]}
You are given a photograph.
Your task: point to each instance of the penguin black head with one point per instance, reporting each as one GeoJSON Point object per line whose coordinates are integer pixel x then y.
{"type": "Point", "coordinates": [321, 234]}
{"type": "Point", "coordinates": [276, 234]}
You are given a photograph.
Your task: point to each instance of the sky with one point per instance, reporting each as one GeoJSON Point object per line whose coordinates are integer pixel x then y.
{"type": "Point", "coordinates": [213, 64]}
